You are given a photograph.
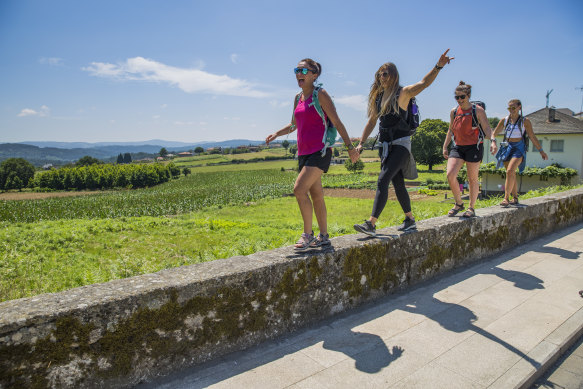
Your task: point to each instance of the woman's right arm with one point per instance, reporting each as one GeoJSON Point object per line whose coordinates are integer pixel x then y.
{"type": "Point", "coordinates": [286, 130]}
{"type": "Point", "coordinates": [449, 134]}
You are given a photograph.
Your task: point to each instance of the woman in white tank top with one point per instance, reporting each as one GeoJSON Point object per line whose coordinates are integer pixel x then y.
{"type": "Point", "coordinates": [513, 127]}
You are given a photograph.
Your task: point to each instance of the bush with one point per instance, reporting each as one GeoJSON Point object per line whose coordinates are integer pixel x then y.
{"type": "Point", "coordinates": [353, 167]}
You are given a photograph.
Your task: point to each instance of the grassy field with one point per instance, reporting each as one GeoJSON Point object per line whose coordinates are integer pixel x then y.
{"type": "Point", "coordinates": [56, 244]}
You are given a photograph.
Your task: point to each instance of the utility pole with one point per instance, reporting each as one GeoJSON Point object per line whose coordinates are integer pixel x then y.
{"type": "Point", "coordinates": [548, 94]}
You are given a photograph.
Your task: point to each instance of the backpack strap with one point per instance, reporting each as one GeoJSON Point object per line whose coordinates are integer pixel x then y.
{"type": "Point", "coordinates": [293, 119]}
{"type": "Point", "coordinates": [481, 134]}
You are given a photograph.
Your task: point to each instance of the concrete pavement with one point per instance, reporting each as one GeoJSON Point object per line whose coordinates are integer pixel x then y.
{"type": "Point", "coordinates": [498, 324]}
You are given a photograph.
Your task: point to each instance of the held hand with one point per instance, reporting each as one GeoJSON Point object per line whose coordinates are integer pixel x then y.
{"type": "Point", "coordinates": [444, 59]}
{"type": "Point", "coordinates": [354, 155]}
{"type": "Point", "coordinates": [544, 155]}
{"type": "Point", "coordinates": [493, 148]}
{"type": "Point", "coordinates": [359, 148]}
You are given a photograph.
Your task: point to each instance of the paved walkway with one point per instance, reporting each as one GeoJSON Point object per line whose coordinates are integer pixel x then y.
{"type": "Point", "coordinates": [493, 325]}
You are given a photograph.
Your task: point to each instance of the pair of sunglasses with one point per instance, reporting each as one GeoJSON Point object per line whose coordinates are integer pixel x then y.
{"type": "Point", "coordinates": [460, 97]}
{"type": "Point", "coordinates": [303, 70]}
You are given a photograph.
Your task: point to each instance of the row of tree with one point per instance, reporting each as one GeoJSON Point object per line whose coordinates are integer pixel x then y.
{"type": "Point", "coordinates": [105, 176]}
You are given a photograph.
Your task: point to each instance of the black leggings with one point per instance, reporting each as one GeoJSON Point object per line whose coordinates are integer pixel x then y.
{"type": "Point", "coordinates": [392, 171]}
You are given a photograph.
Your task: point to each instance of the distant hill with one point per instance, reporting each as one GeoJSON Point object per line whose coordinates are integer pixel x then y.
{"type": "Point", "coordinates": [59, 153]}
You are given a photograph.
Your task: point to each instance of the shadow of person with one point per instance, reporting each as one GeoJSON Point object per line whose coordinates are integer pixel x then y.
{"type": "Point", "coordinates": [457, 318]}
{"type": "Point", "coordinates": [521, 280]}
{"type": "Point", "coordinates": [567, 254]}
{"type": "Point", "coordinates": [369, 351]}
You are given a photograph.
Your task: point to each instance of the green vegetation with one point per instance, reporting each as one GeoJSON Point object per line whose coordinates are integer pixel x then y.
{"type": "Point", "coordinates": [15, 173]}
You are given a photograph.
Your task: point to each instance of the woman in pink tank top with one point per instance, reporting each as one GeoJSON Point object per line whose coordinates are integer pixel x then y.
{"type": "Point", "coordinates": [313, 159]}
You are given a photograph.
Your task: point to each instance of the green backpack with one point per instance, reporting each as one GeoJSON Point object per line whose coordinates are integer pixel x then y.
{"type": "Point", "coordinates": [331, 133]}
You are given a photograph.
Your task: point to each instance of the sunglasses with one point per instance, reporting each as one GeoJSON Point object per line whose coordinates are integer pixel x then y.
{"type": "Point", "coordinates": [303, 70]}
{"type": "Point", "coordinates": [512, 108]}
{"type": "Point", "coordinates": [459, 97]}
{"type": "Point", "coordinates": [384, 74]}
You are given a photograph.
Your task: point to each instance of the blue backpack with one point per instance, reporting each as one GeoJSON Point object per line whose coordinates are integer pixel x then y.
{"type": "Point", "coordinates": [331, 133]}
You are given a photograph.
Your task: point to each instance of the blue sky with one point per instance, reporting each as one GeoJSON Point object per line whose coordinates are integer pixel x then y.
{"type": "Point", "coordinates": [215, 70]}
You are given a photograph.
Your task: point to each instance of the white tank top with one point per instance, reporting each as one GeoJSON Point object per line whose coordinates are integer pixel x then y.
{"type": "Point", "coordinates": [513, 130]}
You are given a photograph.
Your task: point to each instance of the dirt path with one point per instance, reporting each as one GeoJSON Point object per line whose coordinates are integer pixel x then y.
{"type": "Point", "coordinates": [41, 196]}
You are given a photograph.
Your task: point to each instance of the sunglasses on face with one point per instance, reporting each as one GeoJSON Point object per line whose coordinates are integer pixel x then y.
{"type": "Point", "coordinates": [512, 108]}
{"type": "Point", "coordinates": [303, 70]}
{"type": "Point", "coordinates": [384, 74]}
{"type": "Point", "coordinates": [460, 97]}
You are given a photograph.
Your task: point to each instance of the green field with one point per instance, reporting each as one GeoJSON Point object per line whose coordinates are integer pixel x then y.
{"type": "Point", "coordinates": [61, 243]}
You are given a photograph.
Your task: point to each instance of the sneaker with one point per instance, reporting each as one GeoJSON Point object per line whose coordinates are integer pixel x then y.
{"type": "Point", "coordinates": [321, 240]}
{"type": "Point", "coordinates": [366, 228]}
{"type": "Point", "coordinates": [408, 224]}
{"type": "Point", "coordinates": [304, 242]}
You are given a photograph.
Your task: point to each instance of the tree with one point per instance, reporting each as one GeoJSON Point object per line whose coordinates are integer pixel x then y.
{"type": "Point", "coordinates": [120, 158]}
{"type": "Point", "coordinates": [199, 150]}
{"type": "Point", "coordinates": [293, 149]}
{"type": "Point", "coordinates": [127, 158]}
{"type": "Point", "coordinates": [285, 145]}
{"type": "Point", "coordinates": [493, 122]}
{"type": "Point", "coordinates": [15, 173]}
{"type": "Point", "coordinates": [354, 167]}
{"type": "Point", "coordinates": [427, 143]}
{"type": "Point", "coordinates": [336, 152]}
{"type": "Point", "coordinates": [163, 152]}
{"type": "Point", "coordinates": [87, 161]}
{"type": "Point", "coordinates": [186, 171]}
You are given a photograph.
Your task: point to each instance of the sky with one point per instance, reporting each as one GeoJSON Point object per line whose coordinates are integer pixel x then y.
{"type": "Point", "coordinates": [193, 71]}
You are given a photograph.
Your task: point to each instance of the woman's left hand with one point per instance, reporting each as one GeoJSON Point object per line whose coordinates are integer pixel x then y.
{"type": "Point", "coordinates": [493, 148]}
{"type": "Point", "coordinates": [544, 155]}
{"type": "Point", "coordinates": [444, 59]}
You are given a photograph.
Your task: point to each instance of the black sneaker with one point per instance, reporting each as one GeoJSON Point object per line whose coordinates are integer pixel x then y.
{"type": "Point", "coordinates": [408, 224]}
{"type": "Point", "coordinates": [366, 228]}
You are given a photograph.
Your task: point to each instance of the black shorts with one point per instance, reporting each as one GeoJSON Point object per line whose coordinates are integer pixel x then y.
{"type": "Point", "coordinates": [469, 153]}
{"type": "Point", "coordinates": [316, 160]}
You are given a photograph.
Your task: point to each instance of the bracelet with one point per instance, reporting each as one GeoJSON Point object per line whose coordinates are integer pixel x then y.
{"type": "Point", "coordinates": [438, 67]}
{"type": "Point", "coordinates": [350, 146]}
{"type": "Point", "coordinates": [493, 140]}
{"type": "Point", "coordinates": [540, 150]}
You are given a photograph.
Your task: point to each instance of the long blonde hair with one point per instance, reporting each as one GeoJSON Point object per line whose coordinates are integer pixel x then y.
{"type": "Point", "coordinates": [392, 103]}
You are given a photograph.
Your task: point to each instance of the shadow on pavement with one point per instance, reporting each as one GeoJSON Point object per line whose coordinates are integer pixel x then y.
{"type": "Point", "coordinates": [369, 351]}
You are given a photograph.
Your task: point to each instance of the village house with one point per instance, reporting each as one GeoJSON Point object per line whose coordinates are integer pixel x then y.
{"type": "Point", "coordinates": [560, 135]}
{"type": "Point", "coordinates": [185, 154]}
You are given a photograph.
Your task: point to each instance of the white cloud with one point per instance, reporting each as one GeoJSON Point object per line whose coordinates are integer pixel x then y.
{"type": "Point", "coordinates": [357, 102]}
{"type": "Point", "coordinates": [234, 58]}
{"type": "Point", "coordinates": [53, 61]}
{"type": "Point", "coordinates": [43, 111]}
{"type": "Point", "coordinates": [280, 104]}
{"type": "Point", "coordinates": [189, 80]}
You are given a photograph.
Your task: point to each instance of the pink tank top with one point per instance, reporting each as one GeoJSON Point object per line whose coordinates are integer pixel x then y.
{"type": "Point", "coordinates": [310, 128]}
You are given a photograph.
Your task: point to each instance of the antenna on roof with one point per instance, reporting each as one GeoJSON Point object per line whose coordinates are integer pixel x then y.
{"type": "Point", "coordinates": [548, 94]}
{"type": "Point", "coordinates": [581, 89]}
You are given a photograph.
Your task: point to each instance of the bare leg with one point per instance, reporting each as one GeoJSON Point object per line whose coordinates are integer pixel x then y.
{"type": "Point", "coordinates": [453, 167]}
{"type": "Point", "coordinates": [510, 184]}
{"type": "Point", "coordinates": [306, 179]}
{"type": "Point", "coordinates": [473, 169]}
{"type": "Point", "coordinates": [317, 195]}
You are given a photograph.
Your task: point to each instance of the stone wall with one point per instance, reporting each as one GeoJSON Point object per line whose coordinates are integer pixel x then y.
{"type": "Point", "coordinates": [122, 332]}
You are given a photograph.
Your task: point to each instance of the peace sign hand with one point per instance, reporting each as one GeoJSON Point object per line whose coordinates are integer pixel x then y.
{"type": "Point", "coordinates": [444, 59]}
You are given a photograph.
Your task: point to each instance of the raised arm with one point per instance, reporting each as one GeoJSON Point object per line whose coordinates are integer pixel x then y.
{"type": "Point", "coordinates": [413, 90]}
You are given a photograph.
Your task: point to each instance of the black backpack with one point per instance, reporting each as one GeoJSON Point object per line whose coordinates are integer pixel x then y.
{"type": "Point", "coordinates": [413, 118]}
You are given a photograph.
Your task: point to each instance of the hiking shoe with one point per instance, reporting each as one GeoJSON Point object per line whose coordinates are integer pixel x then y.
{"type": "Point", "coordinates": [304, 242]}
{"type": "Point", "coordinates": [366, 228]}
{"type": "Point", "coordinates": [321, 240]}
{"type": "Point", "coordinates": [408, 224]}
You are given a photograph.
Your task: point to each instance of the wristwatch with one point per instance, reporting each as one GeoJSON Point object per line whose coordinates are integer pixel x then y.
{"type": "Point", "coordinates": [350, 146]}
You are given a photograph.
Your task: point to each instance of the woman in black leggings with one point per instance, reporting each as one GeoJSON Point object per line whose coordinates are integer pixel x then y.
{"type": "Point", "coordinates": [387, 102]}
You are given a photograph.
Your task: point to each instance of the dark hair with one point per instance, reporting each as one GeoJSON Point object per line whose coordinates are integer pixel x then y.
{"type": "Point", "coordinates": [313, 65]}
{"type": "Point", "coordinates": [463, 87]}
